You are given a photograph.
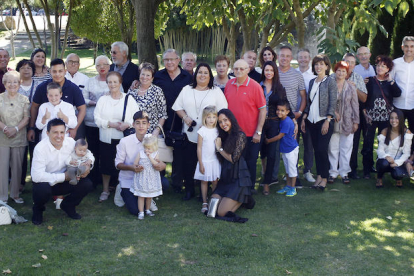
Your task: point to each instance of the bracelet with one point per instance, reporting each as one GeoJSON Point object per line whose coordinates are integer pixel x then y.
{"type": "Point", "coordinates": [17, 128]}
{"type": "Point", "coordinates": [4, 128]}
{"type": "Point", "coordinates": [32, 128]}
{"type": "Point", "coordinates": [300, 112]}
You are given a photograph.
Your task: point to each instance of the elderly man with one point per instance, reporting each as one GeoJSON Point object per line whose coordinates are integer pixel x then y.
{"type": "Point", "coordinates": [364, 68]}
{"type": "Point", "coordinates": [49, 173]}
{"type": "Point", "coordinates": [126, 152]}
{"type": "Point", "coordinates": [172, 79]}
{"type": "Point", "coordinates": [294, 85]}
{"type": "Point", "coordinates": [70, 94]}
{"type": "Point", "coordinates": [189, 62]}
{"type": "Point", "coordinates": [247, 102]}
{"type": "Point", "coordinates": [122, 65]}
{"type": "Point", "coordinates": [73, 74]}
{"type": "Point", "coordinates": [305, 69]}
{"type": "Point", "coordinates": [403, 75]}
{"type": "Point", "coordinates": [357, 81]}
{"type": "Point", "coordinates": [250, 57]}
{"type": "Point", "coordinates": [4, 61]}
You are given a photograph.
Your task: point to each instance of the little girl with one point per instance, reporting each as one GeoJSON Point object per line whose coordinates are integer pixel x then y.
{"type": "Point", "coordinates": [208, 166]}
{"type": "Point", "coordinates": [147, 183]}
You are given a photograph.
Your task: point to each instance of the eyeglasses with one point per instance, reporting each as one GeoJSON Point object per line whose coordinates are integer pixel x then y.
{"type": "Point", "coordinates": [102, 65]}
{"type": "Point", "coordinates": [190, 128]}
{"type": "Point", "coordinates": [239, 69]}
{"type": "Point", "coordinates": [114, 52]}
{"type": "Point", "coordinates": [169, 59]}
{"type": "Point", "coordinates": [73, 62]}
{"type": "Point", "coordinates": [363, 54]}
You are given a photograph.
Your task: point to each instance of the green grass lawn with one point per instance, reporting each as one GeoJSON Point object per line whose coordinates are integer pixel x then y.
{"type": "Point", "coordinates": [346, 230]}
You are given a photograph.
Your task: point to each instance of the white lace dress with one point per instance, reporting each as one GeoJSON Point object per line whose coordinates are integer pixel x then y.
{"type": "Point", "coordinates": [148, 182]}
{"type": "Point", "coordinates": [211, 164]}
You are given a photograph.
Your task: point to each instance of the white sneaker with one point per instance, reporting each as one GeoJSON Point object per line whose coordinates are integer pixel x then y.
{"type": "Point", "coordinates": [149, 213]}
{"type": "Point", "coordinates": [141, 215]}
{"type": "Point", "coordinates": [58, 202]}
{"type": "Point", "coordinates": [309, 177]}
{"type": "Point", "coordinates": [153, 206]}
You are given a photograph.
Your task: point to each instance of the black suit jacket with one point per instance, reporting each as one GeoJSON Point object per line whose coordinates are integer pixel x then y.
{"type": "Point", "coordinates": [131, 73]}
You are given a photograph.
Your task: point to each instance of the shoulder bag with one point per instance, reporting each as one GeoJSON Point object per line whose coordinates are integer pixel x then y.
{"type": "Point", "coordinates": [129, 130]}
{"type": "Point", "coordinates": [175, 139]}
{"type": "Point", "coordinates": [165, 153]}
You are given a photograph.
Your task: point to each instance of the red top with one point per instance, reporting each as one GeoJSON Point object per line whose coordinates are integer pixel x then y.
{"type": "Point", "coordinates": [245, 101]}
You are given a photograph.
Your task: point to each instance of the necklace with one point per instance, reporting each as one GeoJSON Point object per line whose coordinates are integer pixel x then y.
{"type": "Point", "coordinates": [195, 102]}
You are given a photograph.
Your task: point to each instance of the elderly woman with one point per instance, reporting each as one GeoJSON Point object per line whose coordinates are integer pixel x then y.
{"type": "Point", "coordinates": [14, 116]}
{"type": "Point", "coordinates": [150, 98]}
{"type": "Point", "coordinates": [189, 107]}
{"type": "Point", "coordinates": [108, 117]}
{"type": "Point", "coordinates": [346, 123]}
{"type": "Point", "coordinates": [41, 74]}
{"type": "Point", "coordinates": [95, 88]}
{"type": "Point", "coordinates": [222, 64]}
{"type": "Point", "coordinates": [233, 188]}
{"type": "Point", "coordinates": [381, 91]}
{"type": "Point", "coordinates": [318, 115]}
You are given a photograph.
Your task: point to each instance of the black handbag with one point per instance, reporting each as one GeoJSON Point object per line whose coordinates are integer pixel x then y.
{"type": "Point", "coordinates": [129, 130]}
{"type": "Point", "coordinates": [175, 139]}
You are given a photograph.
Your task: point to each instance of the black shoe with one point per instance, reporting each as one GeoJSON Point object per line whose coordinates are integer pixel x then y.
{"type": "Point", "coordinates": [37, 217]}
{"type": "Point", "coordinates": [188, 196]}
{"type": "Point", "coordinates": [353, 175]}
{"type": "Point", "coordinates": [253, 191]}
{"type": "Point", "coordinates": [71, 213]}
{"type": "Point", "coordinates": [298, 184]}
{"type": "Point", "coordinates": [373, 169]}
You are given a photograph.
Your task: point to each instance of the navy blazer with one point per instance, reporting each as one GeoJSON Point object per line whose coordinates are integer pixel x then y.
{"type": "Point", "coordinates": [131, 73]}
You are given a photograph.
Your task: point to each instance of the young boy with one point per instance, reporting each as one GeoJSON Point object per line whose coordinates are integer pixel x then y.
{"type": "Point", "coordinates": [288, 147]}
{"type": "Point", "coordinates": [55, 108]}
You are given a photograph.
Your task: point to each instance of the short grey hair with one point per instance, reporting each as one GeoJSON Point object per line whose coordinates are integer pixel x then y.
{"type": "Point", "coordinates": [304, 50]}
{"type": "Point", "coordinates": [170, 51]}
{"type": "Point", "coordinates": [407, 38]}
{"type": "Point", "coordinates": [2, 49]}
{"type": "Point", "coordinates": [102, 57]}
{"type": "Point", "coordinates": [121, 45]}
{"type": "Point", "coordinates": [189, 53]}
{"type": "Point", "coordinates": [10, 74]}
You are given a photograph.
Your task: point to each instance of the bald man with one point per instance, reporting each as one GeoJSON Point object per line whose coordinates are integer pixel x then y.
{"type": "Point", "coordinates": [364, 68]}
{"type": "Point", "coordinates": [246, 100]}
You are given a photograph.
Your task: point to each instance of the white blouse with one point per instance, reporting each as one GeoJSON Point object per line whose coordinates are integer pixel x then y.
{"type": "Point", "coordinates": [110, 110]}
{"type": "Point", "coordinates": [393, 149]}
{"type": "Point", "coordinates": [193, 102]}
{"type": "Point", "coordinates": [313, 115]}
{"type": "Point", "coordinates": [93, 90]}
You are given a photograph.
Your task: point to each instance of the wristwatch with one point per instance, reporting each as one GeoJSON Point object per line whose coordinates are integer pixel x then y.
{"type": "Point", "coordinates": [328, 119]}
{"type": "Point", "coordinates": [259, 132]}
{"type": "Point", "coordinates": [221, 149]}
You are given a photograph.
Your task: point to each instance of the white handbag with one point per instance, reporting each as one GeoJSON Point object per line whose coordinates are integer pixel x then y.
{"type": "Point", "coordinates": [5, 217]}
{"type": "Point", "coordinates": [165, 153]}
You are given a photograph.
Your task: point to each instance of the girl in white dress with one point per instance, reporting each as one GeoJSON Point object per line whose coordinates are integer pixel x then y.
{"type": "Point", "coordinates": [147, 183]}
{"type": "Point", "coordinates": [208, 166]}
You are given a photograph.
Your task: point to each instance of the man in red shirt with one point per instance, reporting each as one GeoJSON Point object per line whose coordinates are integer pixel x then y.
{"type": "Point", "coordinates": [247, 102]}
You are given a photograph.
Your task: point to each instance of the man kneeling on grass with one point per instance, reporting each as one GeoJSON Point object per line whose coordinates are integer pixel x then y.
{"type": "Point", "coordinates": [49, 173]}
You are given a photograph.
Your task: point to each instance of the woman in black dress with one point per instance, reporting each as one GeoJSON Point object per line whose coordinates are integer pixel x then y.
{"type": "Point", "coordinates": [233, 188]}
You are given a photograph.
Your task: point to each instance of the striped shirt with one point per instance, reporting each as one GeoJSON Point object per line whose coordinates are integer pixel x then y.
{"type": "Point", "coordinates": [293, 83]}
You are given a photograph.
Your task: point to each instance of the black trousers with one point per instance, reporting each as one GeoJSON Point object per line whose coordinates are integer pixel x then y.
{"type": "Point", "coordinates": [383, 166]}
{"type": "Point", "coordinates": [409, 115]}
{"type": "Point", "coordinates": [320, 146]}
{"type": "Point", "coordinates": [183, 166]}
{"type": "Point", "coordinates": [92, 137]}
{"type": "Point", "coordinates": [42, 192]}
{"type": "Point", "coordinates": [270, 130]}
{"type": "Point", "coordinates": [362, 128]}
{"type": "Point", "coordinates": [368, 147]}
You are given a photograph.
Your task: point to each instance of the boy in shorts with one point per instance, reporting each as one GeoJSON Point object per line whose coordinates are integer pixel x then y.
{"type": "Point", "coordinates": [288, 147]}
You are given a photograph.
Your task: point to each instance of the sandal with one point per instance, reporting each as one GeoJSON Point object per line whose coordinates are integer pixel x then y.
{"type": "Point", "coordinates": [204, 208]}
{"type": "Point", "coordinates": [266, 193]}
{"type": "Point", "coordinates": [345, 180]}
{"type": "Point", "coordinates": [331, 180]}
{"type": "Point", "coordinates": [399, 183]}
{"type": "Point", "coordinates": [104, 196]}
{"type": "Point", "coordinates": [378, 184]}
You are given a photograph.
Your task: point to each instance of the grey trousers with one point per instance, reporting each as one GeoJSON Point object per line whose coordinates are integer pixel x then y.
{"type": "Point", "coordinates": [10, 158]}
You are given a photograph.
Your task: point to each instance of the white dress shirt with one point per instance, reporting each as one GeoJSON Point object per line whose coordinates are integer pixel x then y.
{"type": "Point", "coordinates": [66, 109]}
{"type": "Point", "coordinates": [126, 152]}
{"type": "Point", "coordinates": [80, 79]}
{"type": "Point", "coordinates": [49, 163]}
{"type": "Point", "coordinates": [403, 74]}
{"type": "Point", "coordinates": [308, 75]}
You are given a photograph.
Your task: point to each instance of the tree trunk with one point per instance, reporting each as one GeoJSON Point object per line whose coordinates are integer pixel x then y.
{"type": "Point", "coordinates": [19, 5]}
{"type": "Point", "coordinates": [39, 40]}
{"type": "Point", "coordinates": [145, 15]}
{"type": "Point", "coordinates": [62, 54]}
{"type": "Point", "coordinates": [50, 27]}
{"type": "Point", "coordinates": [230, 32]}
{"type": "Point", "coordinates": [300, 24]}
{"type": "Point", "coordinates": [57, 34]}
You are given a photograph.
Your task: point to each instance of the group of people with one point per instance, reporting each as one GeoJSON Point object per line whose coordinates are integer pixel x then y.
{"type": "Point", "coordinates": [80, 132]}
